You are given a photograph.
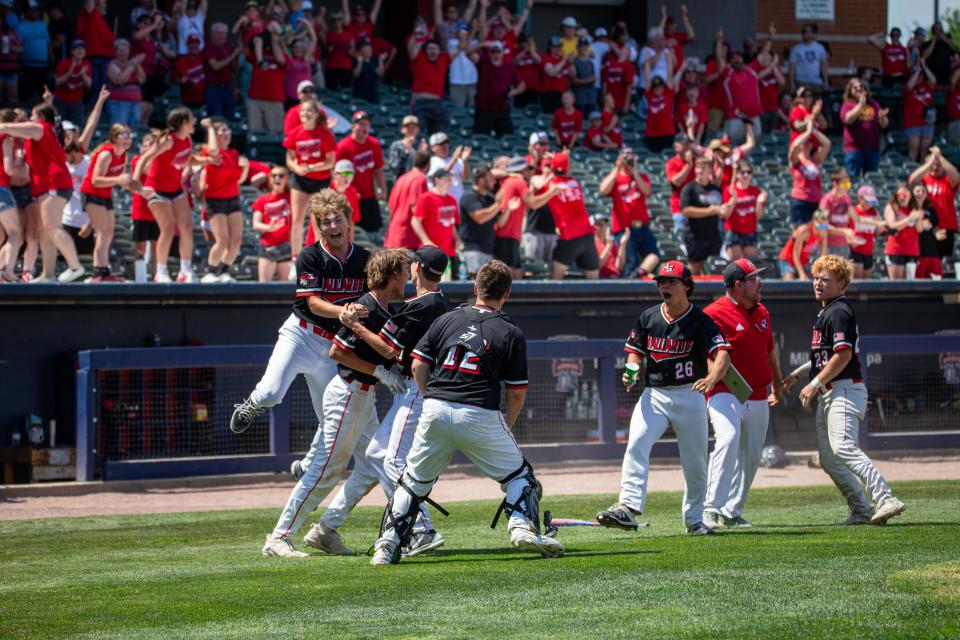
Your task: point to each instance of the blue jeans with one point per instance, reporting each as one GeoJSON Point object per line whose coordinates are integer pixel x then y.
{"type": "Point", "coordinates": [123, 112]}
{"type": "Point", "coordinates": [642, 243]}
{"type": "Point", "coordinates": [432, 115]}
{"type": "Point", "coordinates": [856, 162]}
{"type": "Point", "coordinates": [97, 78]}
{"type": "Point", "coordinates": [220, 102]}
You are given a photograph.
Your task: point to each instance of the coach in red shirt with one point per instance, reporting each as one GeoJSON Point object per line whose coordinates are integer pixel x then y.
{"type": "Point", "coordinates": [428, 65]}
{"type": "Point", "coordinates": [740, 428]}
{"type": "Point", "coordinates": [364, 151]}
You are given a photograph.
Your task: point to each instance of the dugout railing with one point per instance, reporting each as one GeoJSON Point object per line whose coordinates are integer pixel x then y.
{"type": "Point", "coordinates": [164, 412]}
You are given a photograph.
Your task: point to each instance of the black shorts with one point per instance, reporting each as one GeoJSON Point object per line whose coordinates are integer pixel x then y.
{"type": "Point", "coordinates": [222, 205]}
{"type": "Point", "coordinates": [370, 218]}
{"type": "Point", "coordinates": [945, 246]}
{"type": "Point", "coordinates": [901, 261]}
{"type": "Point", "coordinates": [308, 185]}
{"type": "Point", "coordinates": [276, 253]}
{"type": "Point", "coordinates": [735, 239]}
{"type": "Point", "coordinates": [863, 259]}
{"type": "Point", "coordinates": [699, 249]}
{"type": "Point", "coordinates": [84, 245]}
{"type": "Point", "coordinates": [23, 195]}
{"type": "Point", "coordinates": [580, 251]}
{"type": "Point", "coordinates": [507, 250]}
{"type": "Point", "coordinates": [145, 230]}
{"type": "Point", "coordinates": [106, 203]}
{"type": "Point", "coordinates": [656, 144]}
{"type": "Point", "coordinates": [66, 194]}
{"type": "Point", "coordinates": [166, 196]}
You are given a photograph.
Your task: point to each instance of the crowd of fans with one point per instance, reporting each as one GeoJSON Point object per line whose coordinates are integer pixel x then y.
{"type": "Point", "coordinates": [270, 66]}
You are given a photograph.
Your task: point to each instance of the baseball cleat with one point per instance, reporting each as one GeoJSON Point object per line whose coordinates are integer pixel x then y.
{"type": "Point", "coordinates": [713, 519]}
{"type": "Point", "coordinates": [527, 540]}
{"type": "Point", "coordinates": [889, 509]}
{"type": "Point", "coordinates": [422, 542]}
{"type": "Point", "coordinates": [384, 553]}
{"type": "Point", "coordinates": [243, 415]}
{"type": "Point", "coordinates": [855, 519]}
{"type": "Point", "coordinates": [736, 521]}
{"type": "Point", "coordinates": [328, 541]}
{"type": "Point", "coordinates": [281, 548]}
{"type": "Point", "coordinates": [618, 516]}
{"type": "Point", "coordinates": [296, 469]}
{"type": "Point", "coordinates": [700, 529]}
{"type": "Point", "coordinates": [71, 274]}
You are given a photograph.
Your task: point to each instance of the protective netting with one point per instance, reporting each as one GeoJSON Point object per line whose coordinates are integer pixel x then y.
{"type": "Point", "coordinates": [914, 392]}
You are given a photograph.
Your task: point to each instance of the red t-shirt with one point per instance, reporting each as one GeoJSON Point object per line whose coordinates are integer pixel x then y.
{"type": "Point", "coordinates": [138, 204]}
{"type": "Point", "coordinates": [513, 189]}
{"type": "Point", "coordinates": [683, 109]}
{"type": "Point", "coordinates": [750, 333]}
{"type": "Point", "coordinates": [258, 168]}
{"type": "Point", "coordinates": [569, 209]}
{"type": "Point", "coordinates": [629, 205]}
{"type": "Point", "coordinates": [406, 190]}
{"type": "Point", "coordinates": [904, 242]}
{"type": "Point", "coordinates": [440, 215]}
{"type": "Point", "coordinates": [190, 68]}
{"type": "Point", "coordinates": [268, 83]}
{"type": "Point", "coordinates": [48, 163]}
{"type": "Point", "coordinates": [943, 197]}
{"type": "Point", "coordinates": [677, 41]}
{"type": "Point", "coordinates": [716, 96]}
{"type": "Point", "coordinates": [310, 147]}
{"type": "Point", "coordinates": [769, 93]}
{"type": "Point", "coordinates": [609, 268]}
{"type": "Point", "coordinates": [166, 171]}
{"type": "Point", "coordinates": [274, 206]}
{"type": "Point", "coordinates": [810, 245]}
{"type": "Point", "coordinates": [72, 91]}
{"type": "Point", "coordinates": [674, 166]}
{"type": "Point", "coordinates": [559, 83]}
{"type": "Point", "coordinates": [807, 185]}
{"type": "Point", "coordinates": [743, 220]}
{"type": "Point", "coordinates": [429, 77]}
{"type": "Point", "coordinates": [114, 169]}
{"type": "Point", "coordinates": [223, 180]}
{"type": "Point", "coordinates": [361, 31]}
{"type": "Point", "coordinates": [593, 137]}
{"type": "Point", "coordinates": [367, 158]}
{"type": "Point", "coordinates": [894, 60]}
{"type": "Point", "coordinates": [568, 125]}
{"type": "Point", "coordinates": [618, 75]}
{"type": "Point", "coordinates": [743, 92]}
{"type": "Point", "coordinates": [615, 134]}
{"type": "Point", "coordinates": [659, 113]}
{"type": "Point", "coordinates": [528, 70]}
{"type": "Point", "coordinates": [292, 120]}
{"type": "Point", "coordinates": [915, 102]}
{"type": "Point", "coordinates": [93, 29]}
{"type": "Point", "coordinates": [338, 49]}
{"type": "Point", "coordinates": [225, 75]}
{"type": "Point", "coordinates": [865, 230]}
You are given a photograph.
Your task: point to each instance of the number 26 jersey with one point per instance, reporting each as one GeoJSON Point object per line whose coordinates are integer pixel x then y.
{"type": "Point", "coordinates": [676, 350]}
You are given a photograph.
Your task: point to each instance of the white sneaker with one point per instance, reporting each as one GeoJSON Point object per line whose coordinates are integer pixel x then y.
{"type": "Point", "coordinates": [209, 277]}
{"type": "Point", "coordinates": [40, 280]}
{"type": "Point", "coordinates": [163, 278]}
{"type": "Point", "coordinates": [226, 277]}
{"type": "Point", "coordinates": [713, 519]}
{"type": "Point", "coordinates": [281, 548]}
{"type": "Point", "coordinates": [383, 553]}
{"type": "Point", "coordinates": [187, 276]}
{"type": "Point", "coordinates": [328, 541]}
{"type": "Point", "coordinates": [525, 539]}
{"type": "Point", "coordinates": [71, 274]}
{"type": "Point", "coordinates": [887, 510]}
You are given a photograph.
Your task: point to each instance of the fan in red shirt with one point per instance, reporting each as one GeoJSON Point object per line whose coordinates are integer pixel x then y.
{"type": "Point", "coordinates": [436, 217]}
{"type": "Point", "coordinates": [679, 170]}
{"type": "Point", "coordinates": [574, 231]}
{"type": "Point", "coordinates": [629, 190]}
{"type": "Point", "coordinates": [360, 24]}
{"type": "Point", "coordinates": [919, 114]}
{"type": "Point", "coordinates": [770, 84]}
{"type": "Point", "coordinates": [617, 75]}
{"type": "Point", "coordinates": [903, 243]}
{"type": "Point", "coordinates": [868, 225]}
{"type": "Point", "coordinates": [567, 123]}
{"type": "Point", "coordinates": [428, 65]}
{"type": "Point", "coordinates": [742, 87]}
{"type": "Point", "coordinates": [220, 185]}
{"type": "Point", "coordinates": [271, 219]}
{"type": "Point", "coordinates": [672, 38]}
{"type": "Point", "coordinates": [311, 150]}
{"type": "Point", "coordinates": [610, 122]}
{"type": "Point", "coordinates": [804, 109]}
{"type": "Point", "coordinates": [741, 225]}
{"type": "Point", "coordinates": [73, 75]}
{"type": "Point", "coordinates": [660, 130]}
{"type": "Point", "coordinates": [527, 63]}
{"type": "Point", "coordinates": [107, 170]}
{"type": "Point", "coordinates": [403, 198]}
{"type": "Point", "coordinates": [942, 180]}
{"type": "Point", "coordinates": [364, 151]}
{"type": "Point", "coordinates": [338, 68]}
{"type": "Point", "coordinates": [92, 28]}
{"type": "Point", "coordinates": [145, 228]}
{"type": "Point", "coordinates": [610, 253]}
{"type": "Point", "coordinates": [715, 75]}
{"type": "Point", "coordinates": [596, 138]}
{"type": "Point", "coordinates": [691, 113]}
{"type": "Point", "coordinates": [305, 91]}
{"type": "Point", "coordinates": [554, 76]}
{"type": "Point", "coordinates": [267, 92]}
{"type": "Point", "coordinates": [188, 73]}
{"type": "Point", "coordinates": [894, 57]}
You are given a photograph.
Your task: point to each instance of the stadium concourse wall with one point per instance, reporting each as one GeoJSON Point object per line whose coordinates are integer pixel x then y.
{"type": "Point", "coordinates": [46, 326]}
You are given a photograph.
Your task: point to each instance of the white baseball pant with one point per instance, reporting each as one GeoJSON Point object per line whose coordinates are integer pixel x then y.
{"type": "Point", "coordinates": [839, 412]}
{"type": "Point", "coordinates": [390, 445]}
{"type": "Point", "coordinates": [686, 411]}
{"type": "Point", "coordinates": [349, 410]}
{"type": "Point", "coordinates": [481, 434]}
{"type": "Point", "coordinates": [739, 430]}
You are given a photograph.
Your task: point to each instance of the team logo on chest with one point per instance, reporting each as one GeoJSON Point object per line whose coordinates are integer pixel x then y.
{"type": "Point", "coordinates": [816, 340]}
{"type": "Point", "coordinates": [661, 349]}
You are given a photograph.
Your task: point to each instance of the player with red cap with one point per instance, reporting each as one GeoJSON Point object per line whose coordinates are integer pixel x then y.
{"type": "Point", "coordinates": [740, 415]}
{"type": "Point", "coordinates": [686, 356]}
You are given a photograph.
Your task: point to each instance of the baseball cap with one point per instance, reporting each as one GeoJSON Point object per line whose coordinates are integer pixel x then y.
{"type": "Point", "coordinates": [304, 84]}
{"type": "Point", "coordinates": [439, 138]}
{"type": "Point", "coordinates": [583, 42]}
{"type": "Point", "coordinates": [360, 115]}
{"type": "Point", "coordinates": [495, 44]}
{"type": "Point", "coordinates": [463, 26]}
{"type": "Point", "coordinates": [252, 4]}
{"type": "Point", "coordinates": [868, 194]}
{"type": "Point", "coordinates": [656, 81]}
{"type": "Point", "coordinates": [497, 24]}
{"type": "Point", "coordinates": [409, 120]}
{"type": "Point", "coordinates": [432, 259]}
{"type": "Point", "coordinates": [673, 269]}
{"type": "Point", "coordinates": [78, 43]}
{"type": "Point", "coordinates": [539, 137]}
{"type": "Point", "coordinates": [306, 5]}
{"type": "Point", "coordinates": [560, 163]}
{"type": "Point", "coordinates": [344, 166]}
{"type": "Point", "coordinates": [569, 21]}
{"type": "Point", "coordinates": [594, 115]}
{"type": "Point", "coordinates": [597, 217]}
{"type": "Point", "coordinates": [740, 270]}
{"type": "Point", "coordinates": [69, 126]}
{"type": "Point", "coordinates": [600, 32]}
{"type": "Point", "coordinates": [438, 171]}
{"type": "Point", "coordinates": [804, 92]}
{"type": "Point", "coordinates": [681, 138]}
{"type": "Point", "coordinates": [193, 38]}
{"type": "Point", "coordinates": [920, 31]}
{"type": "Point", "coordinates": [555, 41]}
{"type": "Point", "coordinates": [516, 164]}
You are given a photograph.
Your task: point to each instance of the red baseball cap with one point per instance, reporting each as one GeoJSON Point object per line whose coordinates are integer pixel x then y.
{"type": "Point", "coordinates": [673, 269]}
{"type": "Point", "coordinates": [560, 163]}
{"type": "Point", "coordinates": [740, 270]}
{"type": "Point", "coordinates": [360, 115]}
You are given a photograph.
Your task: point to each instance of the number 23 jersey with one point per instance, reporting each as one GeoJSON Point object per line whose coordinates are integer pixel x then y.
{"type": "Point", "coordinates": [835, 330]}
{"type": "Point", "coordinates": [676, 351]}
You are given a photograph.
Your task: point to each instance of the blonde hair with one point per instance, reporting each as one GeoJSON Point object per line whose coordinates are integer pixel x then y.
{"type": "Point", "coordinates": [821, 215]}
{"type": "Point", "coordinates": [384, 265]}
{"type": "Point", "coordinates": [326, 202]}
{"type": "Point", "coordinates": [840, 268]}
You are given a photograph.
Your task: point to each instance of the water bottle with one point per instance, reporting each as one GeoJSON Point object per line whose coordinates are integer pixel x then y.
{"type": "Point", "coordinates": [462, 271]}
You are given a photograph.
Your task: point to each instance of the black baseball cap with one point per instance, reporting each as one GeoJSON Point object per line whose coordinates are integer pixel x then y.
{"type": "Point", "coordinates": [432, 259]}
{"type": "Point", "coordinates": [673, 269]}
{"type": "Point", "coordinates": [740, 270]}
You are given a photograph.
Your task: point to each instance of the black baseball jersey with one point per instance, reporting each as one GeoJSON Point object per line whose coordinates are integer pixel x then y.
{"type": "Point", "coordinates": [320, 273]}
{"type": "Point", "coordinates": [835, 330]}
{"type": "Point", "coordinates": [676, 352]}
{"type": "Point", "coordinates": [472, 350]}
{"type": "Point", "coordinates": [405, 327]}
{"type": "Point", "coordinates": [347, 339]}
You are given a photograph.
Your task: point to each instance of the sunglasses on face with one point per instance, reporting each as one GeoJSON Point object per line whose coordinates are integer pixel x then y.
{"type": "Point", "coordinates": [746, 172]}
{"type": "Point", "coordinates": [346, 174]}
{"type": "Point", "coordinates": [278, 176]}
{"type": "Point", "coordinates": [124, 134]}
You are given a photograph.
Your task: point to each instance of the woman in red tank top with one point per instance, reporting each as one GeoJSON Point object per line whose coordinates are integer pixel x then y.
{"type": "Point", "coordinates": [220, 186]}
{"type": "Point", "coordinates": [902, 215]}
{"type": "Point", "coordinates": [163, 165]}
{"type": "Point", "coordinates": [794, 258]}
{"type": "Point", "coordinates": [108, 169]}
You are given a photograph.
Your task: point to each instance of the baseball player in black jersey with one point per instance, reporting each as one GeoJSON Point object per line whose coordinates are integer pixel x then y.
{"type": "Point", "coordinates": [676, 338]}
{"type": "Point", "coordinates": [459, 366]}
{"type": "Point", "coordinates": [836, 378]}
{"type": "Point", "coordinates": [387, 450]}
{"type": "Point", "coordinates": [349, 401]}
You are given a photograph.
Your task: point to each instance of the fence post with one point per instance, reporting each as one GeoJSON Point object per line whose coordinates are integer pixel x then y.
{"type": "Point", "coordinates": [280, 428]}
{"type": "Point", "coordinates": [607, 386]}
{"type": "Point", "coordinates": [86, 426]}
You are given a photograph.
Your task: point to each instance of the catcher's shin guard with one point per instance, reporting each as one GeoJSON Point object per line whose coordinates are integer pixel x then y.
{"type": "Point", "coordinates": [402, 525]}
{"type": "Point", "coordinates": [529, 502]}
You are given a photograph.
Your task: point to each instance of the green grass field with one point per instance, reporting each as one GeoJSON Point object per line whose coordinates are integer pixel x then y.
{"type": "Point", "coordinates": [202, 576]}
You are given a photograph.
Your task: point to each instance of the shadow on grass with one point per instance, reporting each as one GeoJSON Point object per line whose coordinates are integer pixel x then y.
{"type": "Point", "coordinates": [507, 554]}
